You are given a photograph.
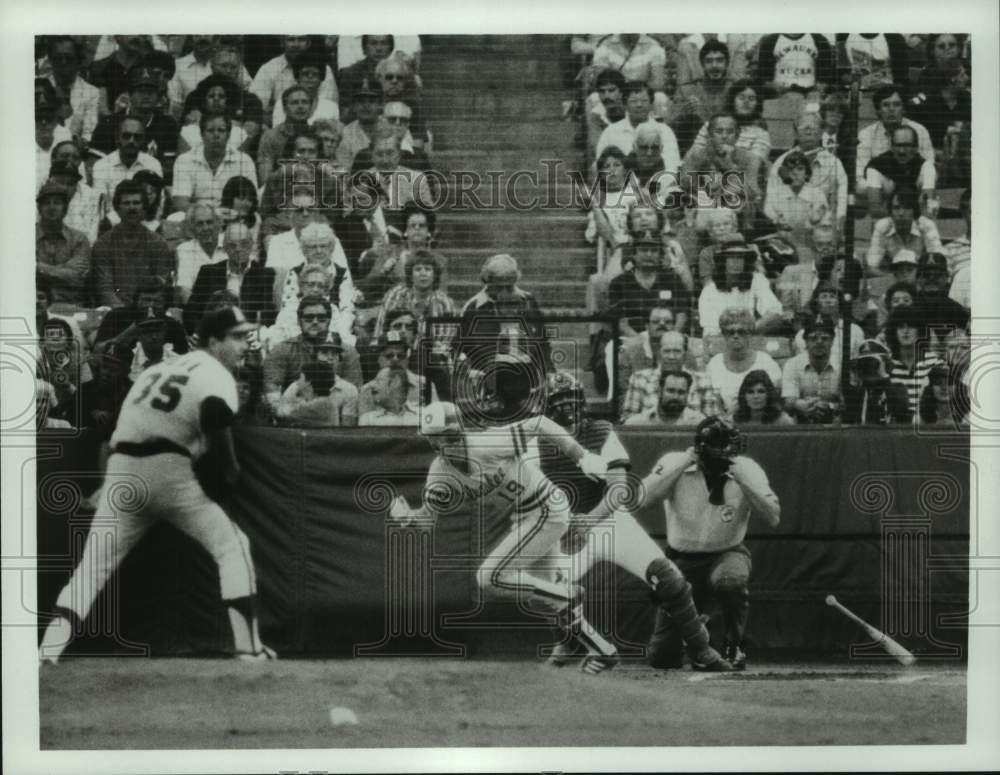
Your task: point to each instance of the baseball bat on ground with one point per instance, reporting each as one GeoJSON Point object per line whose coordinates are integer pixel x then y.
{"type": "Point", "coordinates": [901, 654]}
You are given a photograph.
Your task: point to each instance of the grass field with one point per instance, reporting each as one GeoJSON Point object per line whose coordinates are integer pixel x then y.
{"type": "Point", "coordinates": [94, 703]}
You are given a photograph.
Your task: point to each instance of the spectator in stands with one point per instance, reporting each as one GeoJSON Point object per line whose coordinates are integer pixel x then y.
{"type": "Point", "coordinates": [246, 110]}
{"type": "Point", "coordinates": [905, 335]}
{"type": "Point", "coordinates": [698, 100]}
{"type": "Point", "coordinates": [940, 50]}
{"type": "Point", "coordinates": [152, 204]}
{"type": "Point", "coordinates": [501, 315]}
{"type": "Point", "coordinates": [362, 226]}
{"type": "Point", "coordinates": [633, 294]}
{"type": "Point", "coordinates": [723, 228]}
{"type": "Point", "coordinates": [638, 353]}
{"type": "Point", "coordinates": [736, 283]}
{"type": "Point", "coordinates": [86, 206]}
{"type": "Point", "coordinates": [759, 402]}
{"type": "Point", "coordinates": [367, 107]}
{"type": "Point", "coordinates": [946, 111]}
{"type": "Point", "coordinates": [643, 390]}
{"type": "Point", "coordinates": [671, 408]}
{"type": "Point", "coordinates": [112, 72]}
{"type": "Point", "coordinates": [392, 406]}
{"type": "Point", "coordinates": [127, 160]}
{"type": "Point", "coordinates": [639, 58]}
{"type": "Point", "coordinates": [901, 294]}
{"type": "Point", "coordinates": [827, 175]}
{"type": "Point", "coordinates": [422, 295]}
{"type": "Point", "coordinates": [958, 254]}
{"type": "Point", "coordinates": [873, 59]}
{"type": "Point", "coordinates": [318, 399]}
{"type": "Point", "coordinates": [129, 254]}
{"type": "Point", "coordinates": [396, 75]}
{"type": "Point", "coordinates": [277, 75]}
{"type": "Point", "coordinates": [215, 95]}
{"type": "Point", "coordinates": [191, 70]}
{"type": "Point", "coordinates": [872, 398]}
{"type": "Point", "coordinates": [320, 248]}
{"type": "Point", "coordinates": [309, 72]}
{"type": "Point", "coordinates": [62, 254]}
{"type": "Point", "coordinates": [744, 103]}
{"type": "Point", "coordinates": [84, 100]}
{"type": "Point", "coordinates": [945, 401]}
{"type": "Point", "coordinates": [239, 205]}
{"type": "Point", "coordinates": [120, 326]}
{"type": "Point", "coordinates": [793, 205]}
{"type": "Point", "coordinates": [800, 62]}
{"type": "Point", "coordinates": [899, 167]}
{"type": "Point", "coordinates": [904, 229]}
{"type": "Point", "coordinates": [330, 133]}
{"type": "Point", "coordinates": [638, 102]}
{"type": "Point", "coordinates": [400, 185]}
{"type": "Point", "coordinates": [810, 382]}
{"type": "Point", "coordinates": [205, 228]}
{"type": "Point", "coordinates": [61, 363]}
{"type": "Point", "coordinates": [827, 300]}
{"type": "Point", "coordinates": [296, 102]}
{"type": "Point", "coordinates": [608, 108]}
{"type": "Point", "coordinates": [941, 314]}
{"type": "Point", "coordinates": [608, 219]}
{"type": "Point", "coordinates": [394, 352]}
{"type": "Point", "coordinates": [203, 172]}
{"type": "Point", "coordinates": [253, 283]}
{"type": "Point", "coordinates": [876, 138]}
{"type": "Point", "coordinates": [388, 269]}
{"type": "Point", "coordinates": [283, 364]}
{"type": "Point", "coordinates": [722, 174]}
{"type": "Point", "coordinates": [726, 370]}
{"type": "Point", "coordinates": [304, 169]}
{"type": "Point", "coordinates": [352, 79]}
{"type": "Point", "coordinates": [47, 407]}
{"type": "Point", "coordinates": [283, 249]}
{"type": "Point", "coordinates": [159, 131]}
{"type": "Point", "coordinates": [249, 391]}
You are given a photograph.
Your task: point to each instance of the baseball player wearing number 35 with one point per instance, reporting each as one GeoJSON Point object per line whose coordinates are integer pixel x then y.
{"type": "Point", "coordinates": [175, 413]}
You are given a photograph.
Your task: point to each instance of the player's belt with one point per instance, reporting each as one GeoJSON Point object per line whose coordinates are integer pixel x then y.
{"type": "Point", "coordinates": [148, 448]}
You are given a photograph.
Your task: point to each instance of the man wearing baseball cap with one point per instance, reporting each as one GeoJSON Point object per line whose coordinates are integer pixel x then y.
{"type": "Point", "coordinates": [179, 412]}
{"type": "Point", "coordinates": [810, 382]}
{"type": "Point", "coordinates": [632, 295]}
{"type": "Point", "coordinates": [872, 398]}
{"type": "Point", "coordinates": [358, 135]}
{"type": "Point", "coordinates": [394, 353]}
{"type": "Point", "coordinates": [62, 254]}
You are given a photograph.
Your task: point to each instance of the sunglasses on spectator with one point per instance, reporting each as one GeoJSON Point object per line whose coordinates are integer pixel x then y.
{"type": "Point", "coordinates": [398, 119]}
{"type": "Point", "coordinates": [648, 146]}
{"type": "Point", "coordinates": [393, 77]}
{"type": "Point", "coordinates": [132, 135]}
{"type": "Point", "coordinates": [304, 210]}
{"type": "Point", "coordinates": [62, 58]}
{"type": "Point", "coordinates": [816, 337]}
{"type": "Point", "coordinates": [394, 355]}
{"type": "Point", "coordinates": [320, 318]}
{"type": "Point", "coordinates": [408, 326]}
{"type": "Point", "coordinates": [735, 331]}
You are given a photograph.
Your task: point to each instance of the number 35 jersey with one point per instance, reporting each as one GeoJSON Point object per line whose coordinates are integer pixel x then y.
{"type": "Point", "coordinates": [165, 402]}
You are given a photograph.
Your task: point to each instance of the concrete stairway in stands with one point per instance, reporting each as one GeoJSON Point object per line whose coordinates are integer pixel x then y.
{"type": "Point", "coordinates": [494, 105]}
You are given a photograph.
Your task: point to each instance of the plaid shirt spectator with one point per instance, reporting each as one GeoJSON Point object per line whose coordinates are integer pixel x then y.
{"type": "Point", "coordinates": [643, 391]}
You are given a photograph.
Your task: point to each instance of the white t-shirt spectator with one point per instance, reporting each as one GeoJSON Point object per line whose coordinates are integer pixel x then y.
{"type": "Point", "coordinates": [728, 382]}
{"type": "Point", "coordinates": [110, 171]}
{"type": "Point", "coordinates": [712, 302]}
{"type": "Point", "coordinates": [194, 178]}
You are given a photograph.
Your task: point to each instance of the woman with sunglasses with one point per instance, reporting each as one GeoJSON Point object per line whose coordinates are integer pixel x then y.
{"type": "Point", "coordinates": [726, 370]}
{"type": "Point", "coordinates": [759, 402]}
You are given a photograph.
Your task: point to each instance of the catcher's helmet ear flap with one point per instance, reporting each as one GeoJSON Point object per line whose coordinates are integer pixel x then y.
{"type": "Point", "coordinates": [717, 437]}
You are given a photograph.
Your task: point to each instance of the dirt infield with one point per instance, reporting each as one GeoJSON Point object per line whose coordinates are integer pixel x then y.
{"type": "Point", "coordinates": [93, 703]}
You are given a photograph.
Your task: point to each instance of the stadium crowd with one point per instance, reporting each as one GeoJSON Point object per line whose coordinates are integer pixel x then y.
{"type": "Point", "coordinates": [176, 174]}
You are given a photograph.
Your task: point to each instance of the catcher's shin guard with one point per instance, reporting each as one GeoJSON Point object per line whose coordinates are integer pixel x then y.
{"type": "Point", "coordinates": [673, 592]}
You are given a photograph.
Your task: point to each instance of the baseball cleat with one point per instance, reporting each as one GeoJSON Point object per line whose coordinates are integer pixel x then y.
{"type": "Point", "coordinates": [737, 657]}
{"type": "Point", "coordinates": [598, 663]}
{"type": "Point", "coordinates": [265, 654]}
{"type": "Point", "coordinates": [710, 661]}
{"type": "Point", "coordinates": [564, 653]}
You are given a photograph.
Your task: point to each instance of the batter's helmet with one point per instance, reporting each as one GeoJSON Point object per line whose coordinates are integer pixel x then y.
{"type": "Point", "coordinates": [562, 387]}
{"type": "Point", "coordinates": [715, 437]}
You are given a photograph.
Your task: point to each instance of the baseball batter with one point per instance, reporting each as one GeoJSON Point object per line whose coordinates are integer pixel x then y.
{"type": "Point", "coordinates": [487, 472]}
{"type": "Point", "coordinates": [175, 413]}
{"type": "Point", "coordinates": [620, 539]}
{"type": "Point", "coordinates": [708, 493]}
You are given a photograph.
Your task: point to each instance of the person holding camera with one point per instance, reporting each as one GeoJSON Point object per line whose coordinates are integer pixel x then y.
{"type": "Point", "coordinates": [317, 399]}
{"type": "Point", "coordinates": [871, 397]}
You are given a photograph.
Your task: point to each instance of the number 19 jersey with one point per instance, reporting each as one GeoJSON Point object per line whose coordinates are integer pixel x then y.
{"type": "Point", "coordinates": [165, 402]}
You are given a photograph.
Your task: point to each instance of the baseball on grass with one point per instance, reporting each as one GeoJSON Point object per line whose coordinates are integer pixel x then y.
{"type": "Point", "coordinates": [340, 717]}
